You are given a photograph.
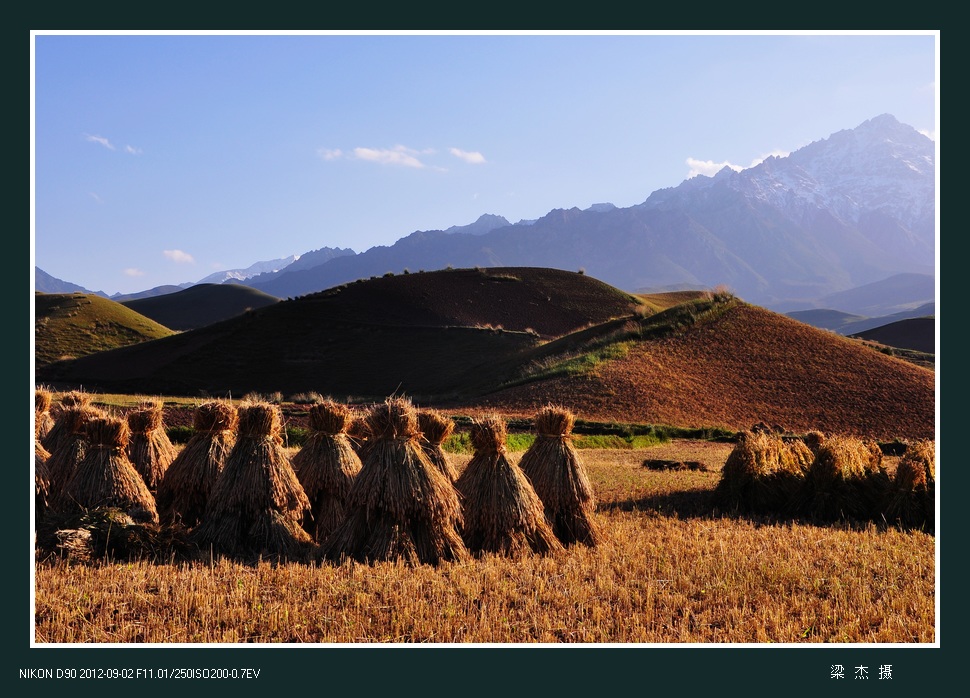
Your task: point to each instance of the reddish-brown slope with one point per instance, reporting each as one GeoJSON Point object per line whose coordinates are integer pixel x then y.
{"type": "Point", "coordinates": [747, 366]}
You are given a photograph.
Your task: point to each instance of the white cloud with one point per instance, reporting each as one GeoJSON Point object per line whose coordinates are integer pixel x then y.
{"type": "Point", "coordinates": [132, 150]}
{"type": "Point", "coordinates": [328, 154]}
{"type": "Point", "coordinates": [131, 271]}
{"type": "Point", "coordinates": [179, 256]}
{"type": "Point", "coordinates": [398, 155]}
{"type": "Point", "coordinates": [95, 197]}
{"type": "Point", "coordinates": [711, 168]}
{"type": "Point", "coordinates": [471, 157]}
{"type": "Point", "coordinates": [100, 140]}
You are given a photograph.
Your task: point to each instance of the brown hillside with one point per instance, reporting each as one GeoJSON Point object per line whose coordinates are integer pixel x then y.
{"type": "Point", "coordinates": [746, 366]}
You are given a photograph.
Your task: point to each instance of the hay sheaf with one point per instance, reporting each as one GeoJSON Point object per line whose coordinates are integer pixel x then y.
{"type": "Point", "coordinates": [435, 428]}
{"type": "Point", "coordinates": [70, 405]}
{"type": "Point", "coordinates": [763, 473]}
{"type": "Point", "coordinates": [68, 444]}
{"type": "Point", "coordinates": [847, 479]}
{"type": "Point", "coordinates": [105, 477]}
{"type": "Point", "coordinates": [43, 399]}
{"type": "Point", "coordinates": [400, 507]}
{"type": "Point", "coordinates": [42, 481]}
{"type": "Point", "coordinates": [149, 448]}
{"type": "Point", "coordinates": [501, 510]}
{"type": "Point", "coordinates": [326, 466]}
{"type": "Point", "coordinates": [558, 476]}
{"type": "Point", "coordinates": [257, 505]}
{"type": "Point", "coordinates": [911, 498]}
{"type": "Point", "coordinates": [188, 482]}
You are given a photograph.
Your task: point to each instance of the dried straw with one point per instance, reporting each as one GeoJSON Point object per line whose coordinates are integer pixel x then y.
{"type": "Point", "coordinates": [763, 473]}
{"type": "Point", "coordinates": [911, 499]}
{"type": "Point", "coordinates": [326, 466]}
{"type": "Point", "coordinates": [400, 507]}
{"type": "Point", "coordinates": [435, 428]}
{"type": "Point", "coordinates": [185, 488]}
{"type": "Point", "coordinates": [558, 476]}
{"type": "Point", "coordinates": [69, 443]}
{"type": "Point", "coordinates": [42, 477]}
{"type": "Point", "coordinates": [43, 399]}
{"type": "Point", "coordinates": [149, 448]}
{"type": "Point", "coordinates": [502, 512]}
{"type": "Point", "coordinates": [63, 429]}
{"type": "Point", "coordinates": [257, 504]}
{"type": "Point", "coordinates": [105, 477]}
{"type": "Point", "coordinates": [846, 480]}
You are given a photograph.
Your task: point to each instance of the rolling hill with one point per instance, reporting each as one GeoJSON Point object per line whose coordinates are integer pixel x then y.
{"type": "Point", "coordinates": [200, 305]}
{"type": "Point", "coordinates": [513, 339]}
{"type": "Point", "coordinates": [912, 333]}
{"type": "Point", "coordinates": [70, 325]}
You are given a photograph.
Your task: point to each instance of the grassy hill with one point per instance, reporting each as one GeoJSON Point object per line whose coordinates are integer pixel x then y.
{"type": "Point", "coordinates": [69, 325]}
{"type": "Point", "coordinates": [918, 334]}
{"type": "Point", "coordinates": [514, 339]}
{"type": "Point", "coordinates": [200, 305]}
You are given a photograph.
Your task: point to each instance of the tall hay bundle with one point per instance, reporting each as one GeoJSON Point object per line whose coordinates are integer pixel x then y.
{"type": "Point", "coordinates": [502, 512]}
{"type": "Point", "coordinates": [911, 498]}
{"type": "Point", "coordinates": [105, 477]}
{"type": "Point", "coordinates": [70, 444]}
{"type": "Point", "coordinates": [435, 428]}
{"type": "Point", "coordinates": [257, 504]}
{"type": "Point", "coordinates": [149, 448]}
{"type": "Point", "coordinates": [62, 430]}
{"type": "Point", "coordinates": [188, 481]}
{"type": "Point", "coordinates": [43, 399]}
{"type": "Point", "coordinates": [400, 507]}
{"type": "Point", "coordinates": [42, 477]}
{"type": "Point", "coordinates": [357, 430]}
{"type": "Point", "coordinates": [326, 466]}
{"type": "Point", "coordinates": [558, 476]}
{"type": "Point", "coordinates": [845, 480]}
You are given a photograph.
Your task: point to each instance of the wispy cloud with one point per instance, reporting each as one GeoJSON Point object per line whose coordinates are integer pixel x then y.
{"type": "Point", "coordinates": [471, 157]}
{"type": "Point", "coordinates": [328, 154]}
{"type": "Point", "coordinates": [100, 140]}
{"type": "Point", "coordinates": [399, 155]}
{"type": "Point", "coordinates": [131, 271]}
{"type": "Point", "coordinates": [95, 197]}
{"type": "Point", "coordinates": [132, 150]}
{"type": "Point", "coordinates": [179, 256]}
{"type": "Point", "coordinates": [711, 168]}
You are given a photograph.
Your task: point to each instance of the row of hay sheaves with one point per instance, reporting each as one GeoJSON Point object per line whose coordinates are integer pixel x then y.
{"type": "Point", "coordinates": [372, 488]}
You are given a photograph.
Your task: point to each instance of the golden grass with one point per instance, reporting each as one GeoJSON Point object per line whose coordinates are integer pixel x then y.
{"type": "Point", "coordinates": [666, 572]}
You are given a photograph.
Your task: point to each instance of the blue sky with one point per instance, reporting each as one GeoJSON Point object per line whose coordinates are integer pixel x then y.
{"type": "Point", "coordinates": [160, 158]}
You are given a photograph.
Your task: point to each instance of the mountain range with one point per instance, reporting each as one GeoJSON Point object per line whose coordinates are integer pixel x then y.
{"type": "Point", "coordinates": [853, 209]}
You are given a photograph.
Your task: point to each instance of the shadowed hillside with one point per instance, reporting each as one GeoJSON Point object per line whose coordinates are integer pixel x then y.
{"type": "Point", "coordinates": [200, 305]}
{"type": "Point", "coordinates": [516, 339]}
{"type": "Point", "coordinates": [913, 333]}
{"type": "Point", "coordinates": [68, 325]}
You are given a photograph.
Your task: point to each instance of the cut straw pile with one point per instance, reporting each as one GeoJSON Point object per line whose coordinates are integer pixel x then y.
{"type": "Point", "coordinates": [43, 399]}
{"type": "Point", "coordinates": [846, 480]}
{"type": "Point", "coordinates": [149, 448]}
{"type": "Point", "coordinates": [42, 477]}
{"type": "Point", "coordinates": [763, 473]}
{"type": "Point", "coordinates": [401, 507]}
{"type": "Point", "coordinates": [502, 512]}
{"type": "Point", "coordinates": [105, 477]}
{"type": "Point", "coordinates": [326, 466]}
{"type": "Point", "coordinates": [67, 443]}
{"type": "Point", "coordinates": [558, 476]}
{"type": "Point", "coordinates": [257, 505]}
{"type": "Point", "coordinates": [911, 499]}
{"type": "Point", "coordinates": [435, 428]}
{"type": "Point", "coordinates": [188, 481]}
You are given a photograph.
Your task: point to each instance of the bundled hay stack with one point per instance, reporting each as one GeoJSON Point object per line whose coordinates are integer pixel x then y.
{"type": "Point", "coordinates": [63, 429]}
{"type": "Point", "coordinates": [326, 466]}
{"type": "Point", "coordinates": [846, 479]}
{"type": "Point", "coordinates": [400, 507]}
{"type": "Point", "coordinates": [502, 512]}
{"type": "Point", "coordinates": [435, 428]}
{"type": "Point", "coordinates": [188, 481]}
{"type": "Point", "coordinates": [911, 498]}
{"type": "Point", "coordinates": [257, 505]}
{"type": "Point", "coordinates": [357, 430]}
{"type": "Point", "coordinates": [558, 476]}
{"type": "Point", "coordinates": [105, 477]}
{"type": "Point", "coordinates": [763, 473]}
{"type": "Point", "coordinates": [814, 440]}
{"type": "Point", "coordinates": [43, 399]}
{"type": "Point", "coordinates": [69, 443]}
{"type": "Point", "coordinates": [42, 476]}
{"type": "Point", "coordinates": [149, 448]}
